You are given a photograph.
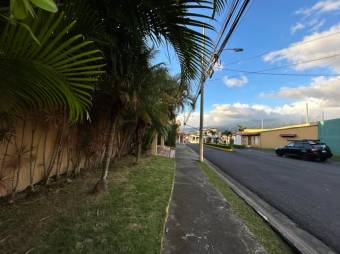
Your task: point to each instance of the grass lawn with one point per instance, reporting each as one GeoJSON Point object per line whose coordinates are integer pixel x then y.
{"type": "Point", "coordinates": [263, 233]}
{"type": "Point", "coordinates": [336, 157]}
{"type": "Point", "coordinates": [66, 218]}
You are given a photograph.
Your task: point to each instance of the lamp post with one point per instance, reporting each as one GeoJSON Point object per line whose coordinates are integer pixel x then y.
{"type": "Point", "coordinates": [235, 49]}
{"type": "Point", "coordinates": [207, 73]}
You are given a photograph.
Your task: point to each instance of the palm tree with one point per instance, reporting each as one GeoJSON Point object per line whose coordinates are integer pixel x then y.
{"type": "Point", "coordinates": [48, 64]}
{"type": "Point", "coordinates": [59, 73]}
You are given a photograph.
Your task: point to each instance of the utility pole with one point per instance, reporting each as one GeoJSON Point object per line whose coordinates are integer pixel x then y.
{"type": "Point", "coordinates": [307, 113]}
{"type": "Point", "coordinates": [201, 156]}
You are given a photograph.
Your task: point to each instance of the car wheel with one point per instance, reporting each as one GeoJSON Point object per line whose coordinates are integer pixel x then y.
{"type": "Point", "coordinates": [305, 157]}
{"type": "Point", "coordinates": [279, 154]}
{"type": "Point", "coordinates": [323, 159]}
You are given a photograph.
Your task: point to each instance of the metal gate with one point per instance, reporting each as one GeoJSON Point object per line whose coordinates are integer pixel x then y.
{"type": "Point", "coordinates": [329, 132]}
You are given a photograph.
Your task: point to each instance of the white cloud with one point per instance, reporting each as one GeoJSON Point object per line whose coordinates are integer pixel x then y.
{"type": "Point", "coordinates": [298, 26]}
{"type": "Point", "coordinates": [322, 95]}
{"type": "Point", "coordinates": [311, 47]}
{"type": "Point", "coordinates": [315, 24]}
{"type": "Point", "coordinates": [324, 90]}
{"type": "Point", "coordinates": [230, 115]}
{"type": "Point", "coordinates": [235, 82]}
{"type": "Point", "coordinates": [320, 7]}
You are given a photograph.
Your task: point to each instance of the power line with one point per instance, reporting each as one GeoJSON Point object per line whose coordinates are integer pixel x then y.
{"type": "Point", "coordinates": [233, 26]}
{"type": "Point", "coordinates": [230, 12]}
{"type": "Point", "coordinates": [281, 74]}
{"type": "Point", "coordinates": [192, 126]}
{"type": "Point", "coordinates": [217, 53]}
{"type": "Point", "coordinates": [293, 46]}
{"type": "Point", "coordinates": [302, 62]}
{"type": "Point", "coordinates": [264, 71]}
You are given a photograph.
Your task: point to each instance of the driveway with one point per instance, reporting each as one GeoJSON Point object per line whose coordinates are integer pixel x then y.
{"type": "Point", "coordinates": [307, 192]}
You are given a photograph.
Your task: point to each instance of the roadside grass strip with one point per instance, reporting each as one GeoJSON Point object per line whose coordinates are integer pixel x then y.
{"type": "Point", "coordinates": [220, 148]}
{"type": "Point", "coordinates": [128, 218]}
{"type": "Point", "coordinates": [263, 233]}
{"type": "Point", "coordinates": [336, 157]}
{"type": "Point", "coordinates": [226, 147]}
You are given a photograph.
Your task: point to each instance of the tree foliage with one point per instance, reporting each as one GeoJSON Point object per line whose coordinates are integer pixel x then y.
{"type": "Point", "coordinates": [90, 62]}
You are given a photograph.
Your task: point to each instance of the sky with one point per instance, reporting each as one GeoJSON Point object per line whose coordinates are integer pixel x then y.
{"type": "Point", "coordinates": [283, 37]}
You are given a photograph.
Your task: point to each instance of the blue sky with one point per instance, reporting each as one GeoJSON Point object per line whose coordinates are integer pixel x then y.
{"type": "Point", "coordinates": [291, 32]}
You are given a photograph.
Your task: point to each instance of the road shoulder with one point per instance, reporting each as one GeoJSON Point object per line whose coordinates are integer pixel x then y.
{"type": "Point", "coordinates": [302, 240]}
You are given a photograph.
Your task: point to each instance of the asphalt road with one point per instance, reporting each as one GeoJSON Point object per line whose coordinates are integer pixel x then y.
{"type": "Point", "coordinates": [307, 192]}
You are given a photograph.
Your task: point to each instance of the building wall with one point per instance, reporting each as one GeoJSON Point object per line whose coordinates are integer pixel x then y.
{"type": "Point", "coordinates": [33, 147]}
{"type": "Point", "coordinates": [251, 140]}
{"type": "Point", "coordinates": [272, 138]}
{"type": "Point", "coordinates": [237, 139]}
{"type": "Point", "coordinates": [329, 132]}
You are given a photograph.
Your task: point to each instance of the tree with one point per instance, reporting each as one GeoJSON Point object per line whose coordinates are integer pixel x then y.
{"type": "Point", "coordinates": [227, 132]}
{"type": "Point", "coordinates": [107, 77]}
{"type": "Point", "coordinates": [59, 73]}
{"type": "Point", "coordinates": [241, 127]}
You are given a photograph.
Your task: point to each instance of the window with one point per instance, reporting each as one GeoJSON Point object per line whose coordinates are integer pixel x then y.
{"type": "Point", "coordinates": [291, 144]}
{"type": "Point", "coordinates": [307, 146]}
{"type": "Point", "coordinates": [299, 145]}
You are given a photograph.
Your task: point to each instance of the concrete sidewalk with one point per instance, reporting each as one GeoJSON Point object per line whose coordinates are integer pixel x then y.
{"type": "Point", "coordinates": [200, 219]}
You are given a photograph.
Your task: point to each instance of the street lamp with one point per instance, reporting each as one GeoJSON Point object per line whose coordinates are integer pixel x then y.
{"type": "Point", "coordinates": [209, 72]}
{"type": "Point", "coordinates": [235, 49]}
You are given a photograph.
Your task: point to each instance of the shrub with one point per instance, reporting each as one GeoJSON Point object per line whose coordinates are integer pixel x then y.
{"type": "Point", "coordinates": [227, 146]}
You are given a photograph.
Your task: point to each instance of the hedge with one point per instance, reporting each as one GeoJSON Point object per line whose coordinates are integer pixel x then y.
{"type": "Point", "coordinates": [226, 146]}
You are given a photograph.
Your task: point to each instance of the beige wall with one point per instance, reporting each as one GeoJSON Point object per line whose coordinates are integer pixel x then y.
{"type": "Point", "coordinates": [251, 140]}
{"type": "Point", "coordinates": [272, 139]}
{"type": "Point", "coordinates": [74, 153]}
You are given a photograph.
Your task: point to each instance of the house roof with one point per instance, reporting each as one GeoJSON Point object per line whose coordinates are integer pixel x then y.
{"type": "Point", "coordinates": [254, 132]}
{"type": "Point", "coordinates": [292, 127]}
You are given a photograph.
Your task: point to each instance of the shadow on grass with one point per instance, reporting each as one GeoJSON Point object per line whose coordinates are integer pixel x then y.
{"type": "Point", "coordinates": [128, 218]}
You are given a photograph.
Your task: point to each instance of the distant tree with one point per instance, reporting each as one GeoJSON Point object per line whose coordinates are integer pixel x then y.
{"type": "Point", "coordinates": [241, 127]}
{"type": "Point", "coordinates": [227, 133]}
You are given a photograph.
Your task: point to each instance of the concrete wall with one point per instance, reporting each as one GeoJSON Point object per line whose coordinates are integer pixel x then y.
{"type": "Point", "coordinates": [32, 141]}
{"type": "Point", "coordinates": [237, 139]}
{"type": "Point", "coordinates": [29, 152]}
{"type": "Point", "coordinates": [251, 140]}
{"type": "Point", "coordinates": [273, 138]}
{"type": "Point", "coordinates": [329, 132]}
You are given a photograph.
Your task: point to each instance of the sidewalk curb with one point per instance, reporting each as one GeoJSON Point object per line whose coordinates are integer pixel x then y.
{"type": "Point", "coordinates": [300, 239]}
{"type": "Point", "coordinates": [164, 231]}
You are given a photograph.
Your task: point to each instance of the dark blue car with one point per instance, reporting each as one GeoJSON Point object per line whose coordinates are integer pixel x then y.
{"type": "Point", "coordinates": [305, 149]}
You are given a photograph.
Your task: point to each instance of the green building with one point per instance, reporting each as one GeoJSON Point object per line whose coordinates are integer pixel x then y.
{"type": "Point", "coordinates": [329, 132]}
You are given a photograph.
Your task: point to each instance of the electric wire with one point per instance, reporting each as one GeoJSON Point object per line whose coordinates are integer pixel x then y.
{"type": "Point", "coordinates": [298, 44]}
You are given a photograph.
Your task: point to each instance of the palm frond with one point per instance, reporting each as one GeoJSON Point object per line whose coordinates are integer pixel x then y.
{"type": "Point", "coordinates": [58, 73]}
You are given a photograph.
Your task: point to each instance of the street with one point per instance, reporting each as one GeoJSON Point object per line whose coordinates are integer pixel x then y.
{"type": "Point", "coordinates": [307, 192]}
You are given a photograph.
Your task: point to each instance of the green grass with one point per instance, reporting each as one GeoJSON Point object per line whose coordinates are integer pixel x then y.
{"type": "Point", "coordinates": [336, 157]}
{"type": "Point", "coordinates": [263, 233]}
{"type": "Point", "coordinates": [224, 146]}
{"type": "Point", "coordinates": [128, 218]}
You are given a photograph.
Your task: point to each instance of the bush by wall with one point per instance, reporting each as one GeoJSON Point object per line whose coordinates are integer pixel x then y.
{"type": "Point", "coordinates": [226, 146]}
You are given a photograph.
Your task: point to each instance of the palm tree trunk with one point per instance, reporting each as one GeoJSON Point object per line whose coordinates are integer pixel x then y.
{"type": "Point", "coordinates": [32, 160]}
{"type": "Point", "coordinates": [109, 151]}
{"type": "Point", "coordinates": [101, 185]}
{"type": "Point", "coordinates": [139, 132]}
{"type": "Point", "coordinates": [154, 144]}
{"type": "Point", "coordinates": [4, 156]}
{"type": "Point", "coordinates": [18, 169]}
{"type": "Point", "coordinates": [162, 141]}
{"type": "Point", "coordinates": [44, 152]}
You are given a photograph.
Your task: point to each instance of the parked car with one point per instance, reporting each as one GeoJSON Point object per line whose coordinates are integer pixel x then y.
{"type": "Point", "coordinates": [305, 149]}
